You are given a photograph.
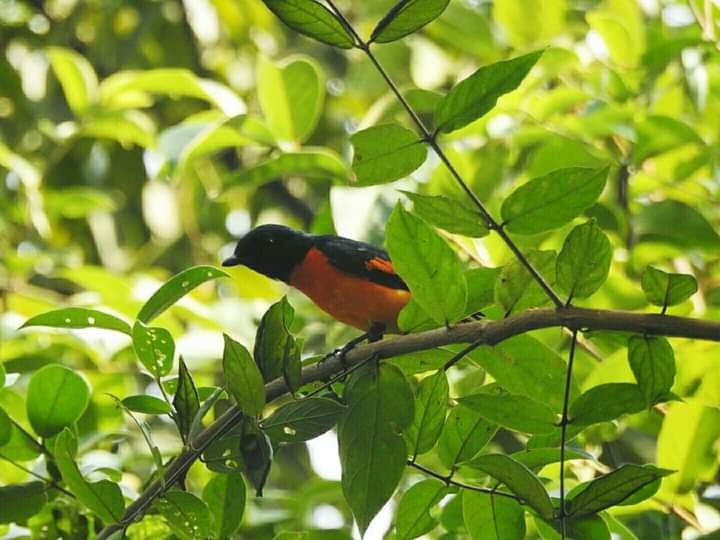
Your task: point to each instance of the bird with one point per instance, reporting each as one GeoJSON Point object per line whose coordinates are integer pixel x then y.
{"type": "Point", "coordinates": [352, 281]}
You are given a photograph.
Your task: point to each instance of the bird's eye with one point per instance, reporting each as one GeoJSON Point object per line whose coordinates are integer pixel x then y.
{"type": "Point", "coordinates": [271, 240]}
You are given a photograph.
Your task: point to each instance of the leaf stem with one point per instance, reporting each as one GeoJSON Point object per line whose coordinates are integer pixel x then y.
{"type": "Point", "coordinates": [563, 435]}
{"type": "Point", "coordinates": [448, 481]}
{"type": "Point", "coordinates": [48, 481]}
{"type": "Point", "coordinates": [431, 139]}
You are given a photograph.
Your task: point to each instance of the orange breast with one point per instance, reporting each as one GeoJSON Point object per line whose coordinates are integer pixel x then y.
{"type": "Point", "coordinates": [350, 299]}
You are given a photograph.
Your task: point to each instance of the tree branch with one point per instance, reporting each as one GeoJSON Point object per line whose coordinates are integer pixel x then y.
{"type": "Point", "coordinates": [481, 332]}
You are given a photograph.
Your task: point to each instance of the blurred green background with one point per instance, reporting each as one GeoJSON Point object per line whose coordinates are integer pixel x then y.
{"type": "Point", "coordinates": [139, 138]}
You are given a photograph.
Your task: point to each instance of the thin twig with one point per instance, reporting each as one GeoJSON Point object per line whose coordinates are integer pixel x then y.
{"type": "Point", "coordinates": [48, 481]}
{"type": "Point", "coordinates": [449, 481]}
{"type": "Point", "coordinates": [431, 140]}
{"type": "Point", "coordinates": [563, 436]}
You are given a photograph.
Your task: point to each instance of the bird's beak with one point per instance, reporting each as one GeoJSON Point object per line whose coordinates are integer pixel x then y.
{"type": "Point", "coordinates": [232, 261]}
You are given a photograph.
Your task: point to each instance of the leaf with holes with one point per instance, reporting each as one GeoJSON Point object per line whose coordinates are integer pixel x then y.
{"type": "Point", "coordinates": [154, 347]}
{"type": "Point", "coordinates": [303, 419]}
{"type": "Point", "coordinates": [78, 318]}
{"type": "Point", "coordinates": [186, 515]}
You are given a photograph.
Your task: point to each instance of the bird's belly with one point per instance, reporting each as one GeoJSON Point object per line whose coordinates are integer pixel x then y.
{"type": "Point", "coordinates": [349, 299]}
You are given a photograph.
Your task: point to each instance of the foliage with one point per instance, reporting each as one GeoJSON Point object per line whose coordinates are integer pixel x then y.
{"type": "Point", "coordinates": [512, 154]}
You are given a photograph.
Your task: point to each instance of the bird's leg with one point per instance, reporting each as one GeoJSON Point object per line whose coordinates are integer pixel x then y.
{"type": "Point", "coordinates": [374, 333]}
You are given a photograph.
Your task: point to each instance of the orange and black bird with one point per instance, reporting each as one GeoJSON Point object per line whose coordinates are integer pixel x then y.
{"type": "Point", "coordinates": [352, 281]}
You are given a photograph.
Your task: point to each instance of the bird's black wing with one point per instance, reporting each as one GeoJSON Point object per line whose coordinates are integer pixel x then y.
{"type": "Point", "coordinates": [360, 259]}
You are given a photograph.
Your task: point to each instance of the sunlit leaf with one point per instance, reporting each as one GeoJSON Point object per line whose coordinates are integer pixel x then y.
{"type": "Point", "coordinates": [291, 96]}
{"type": "Point", "coordinates": [516, 290]}
{"type": "Point", "coordinates": [311, 162]}
{"type": "Point", "coordinates": [428, 265]}
{"type": "Point", "coordinates": [385, 153]}
{"type": "Point", "coordinates": [103, 498]}
{"type": "Point", "coordinates": [406, 17]}
{"type": "Point", "coordinates": [473, 97]}
{"type": "Point", "coordinates": [5, 427]}
{"type": "Point", "coordinates": [175, 288]}
{"type": "Point", "coordinates": [56, 398]}
{"type": "Point", "coordinates": [449, 214]}
{"type": "Point", "coordinates": [303, 419]}
{"type": "Point", "coordinates": [125, 127]}
{"type": "Point", "coordinates": [79, 318]}
{"type": "Point", "coordinates": [658, 134]}
{"type": "Point", "coordinates": [243, 378]}
{"type": "Point", "coordinates": [547, 21]}
{"type": "Point", "coordinates": [584, 261]}
{"type": "Point", "coordinates": [545, 203]}
{"type": "Point", "coordinates": [413, 512]}
{"type": "Point", "coordinates": [147, 405]}
{"type": "Point", "coordinates": [667, 289]}
{"type": "Point", "coordinates": [77, 77]}
{"type": "Point", "coordinates": [313, 20]}
{"type": "Point", "coordinates": [154, 347]}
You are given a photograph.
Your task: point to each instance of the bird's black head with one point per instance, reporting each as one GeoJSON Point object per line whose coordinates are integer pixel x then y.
{"type": "Point", "coordinates": [272, 250]}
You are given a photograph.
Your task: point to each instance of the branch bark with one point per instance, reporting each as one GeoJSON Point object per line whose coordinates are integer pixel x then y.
{"type": "Point", "coordinates": [482, 332]}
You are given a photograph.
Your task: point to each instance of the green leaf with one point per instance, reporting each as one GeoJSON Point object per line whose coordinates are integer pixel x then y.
{"type": "Point", "coordinates": [20, 502]}
{"type": "Point", "coordinates": [2, 374]}
{"type": "Point", "coordinates": [535, 459]}
{"type": "Point", "coordinates": [125, 127]}
{"type": "Point", "coordinates": [372, 451]}
{"type": "Point", "coordinates": [406, 17]}
{"type": "Point", "coordinates": [666, 289]}
{"type": "Point", "coordinates": [385, 153]}
{"type": "Point", "coordinates": [78, 318]}
{"type": "Point", "coordinates": [519, 479]}
{"type": "Point", "coordinates": [514, 412]}
{"type": "Point", "coordinates": [303, 419]}
{"type": "Point", "coordinates": [271, 343]}
{"type": "Point", "coordinates": [525, 366]}
{"type": "Point", "coordinates": [310, 162]}
{"type": "Point", "coordinates": [658, 222]}
{"type": "Point", "coordinates": [465, 433]}
{"type": "Point", "coordinates": [186, 515]}
{"type": "Point", "coordinates": [243, 378]}
{"type": "Point", "coordinates": [545, 203]}
{"type": "Point", "coordinates": [492, 517]}
{"type": "Point", "coordinates": [431, 403]}
{"type": "Point", "coordinates": [428, 265]}
{"type": "Point", "coordinates": [154, 347]}
{"type": "Point", "coordinates": [547, 21]}
{"type": "Point", "coordinates": [291, 97]}
{"type": "Point", "coordinates": [6, 427]}
{"type": "Point", "coordinates": [449, 214]}
{"type": "Point", "coordinates": [147, 404]}
{"type": "Point", "coordinates": [175, 288]}
{"type": "Point", "coordinates": [77, 78]}
{"type": "Point", "coordinates": [313, 20]}
{"type": "Point", "coordinates": [481, 288]}
{"type": "Point", "coordinates": [186, 401]}
{"type": "Point", "coordinates": [413, 513]}
{"type": "Point", "coordinates": [653, 363]}
{"type": "Point", "coordinates": [516, 290]}
{"type": "Point", "coordinates": [103, 498]}
{"type": "Point", "coordinates": [585, 528]}
{"type": "Point", "coordinates": [658, 134]}
{"type": "Point", "coordinates": [688, 442]}
{"type": "Point", "coordinates": [225, 495]}
{"type": "Point", "coordinates": [56, 398]}
{"type": "Point", "coordinates": [613, 488]}
{"type": "Point", "coordinates": [473, 97]}
{"type": "Point", "coordinates": [584, 261]}
{"type": "Point", "coordinates": [606, 402]}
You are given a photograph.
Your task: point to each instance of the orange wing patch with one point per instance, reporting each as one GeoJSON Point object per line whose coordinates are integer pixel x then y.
{"type": "Point", "coordinates": [376, 263]}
